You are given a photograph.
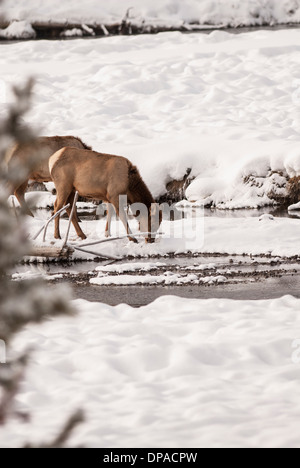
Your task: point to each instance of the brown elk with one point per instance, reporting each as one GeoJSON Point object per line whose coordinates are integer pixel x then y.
{"type": "Point", "coordinates": [102, 177]}
{"type": "Point", "coordinates": [35, 155]}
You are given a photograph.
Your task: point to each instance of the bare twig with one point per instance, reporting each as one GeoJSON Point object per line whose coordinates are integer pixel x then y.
{"type": "Point", "coordinates": [125, 27]}
{"type": "Point", "coordinates": [110, 239]}
{"type": "Point", "coordinates": [127, 15]}
{"type": "Point", "coordinates": [97, 254]}
{"type": "Point", "coordinates": [54, 217]}
{"type": "Point", "coordinates": [70, 219]}
{"type": "Point", "coordinates": [49, 221]}
{"type": "Point", "coordinates": [68, 429]}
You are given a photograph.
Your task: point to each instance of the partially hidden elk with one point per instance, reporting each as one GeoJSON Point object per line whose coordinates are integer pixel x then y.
{"type": "Point", "coordinates": [35, 156]}
{"type": "Point", "coordinates": [112, 179]}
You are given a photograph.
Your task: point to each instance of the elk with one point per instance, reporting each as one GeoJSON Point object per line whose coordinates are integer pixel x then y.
{"type": "Point", "coordinates": [102, 177]}
{"type": "Point", "coordinates": [35, 155]}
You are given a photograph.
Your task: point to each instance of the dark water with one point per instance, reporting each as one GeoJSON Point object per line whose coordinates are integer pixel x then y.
{"type": "Point", "coordinates": [51, 32]}
{"type": "Point", "coordinates": [139, 296]}
{"type": "Point", "coordinates": [278, 212]}
{"type": "Point", "coordinates": [250, 279]}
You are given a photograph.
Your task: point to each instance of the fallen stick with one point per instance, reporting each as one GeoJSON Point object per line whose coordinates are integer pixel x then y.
{"type": "Point", "coordinates": [48, 222]}
{"type": "Point", "coordinates": [50, 251]}
{"type": "Point", "coordinates": [54, 217]}
{"type": "Point", "coordinates": [110, 239]}
{"type": "Point", "coordinates": [70, 219]}
{"type": "Point", "coordinates": [97, 254]}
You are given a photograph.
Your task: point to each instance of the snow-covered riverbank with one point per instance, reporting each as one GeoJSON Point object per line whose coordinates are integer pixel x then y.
{"type": "Point", "coordinates": [177, 373]}
{"type": "Point", "coordinates": [161, 12]}
{"type": "Point", "coordinates": [276, 237]}
{"type": "Point", "coordinates": [225, 107]}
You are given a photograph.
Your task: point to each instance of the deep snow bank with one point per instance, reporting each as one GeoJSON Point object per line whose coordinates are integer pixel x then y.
{"type": "Point", "coordinates": [226, 107]}
{"type": "Point", "coordinates": [177, 373]}
{"type": "Point", "coordinates": [167, 12]}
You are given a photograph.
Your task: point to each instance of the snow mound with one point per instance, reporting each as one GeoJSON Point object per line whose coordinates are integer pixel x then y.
{"type": "Point", "coordinates": [36, 200]}
{"type": "Point", "coordinates": [18, 30]}
{"type": "Point", "coordinates": [75, 32]}
{"type": "Point", "coordinates": [295, 207]}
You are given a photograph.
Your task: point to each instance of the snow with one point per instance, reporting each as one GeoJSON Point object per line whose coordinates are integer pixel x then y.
{"type": "Point", "coordinates": [294, 207]}
{"type": "Point", "coordinates": [130, 267]}
{"type": "Point", "coordinates": [205, 266]}
{"type": "Point", "coordinates": [107, 275]}
{"type": "Point", "coordinates": [38, 200]}
{"type": "Point", "coordinates": [225, 106]}
{"type": "Point", "coordinates": [165, 279]}
{"type": "Point", "coordinates": [75, 32]}
{"type": "Point", "coordinates": [158, 12]}
{"type": "Point", "coordinates": [18, 30]}
{"type": "Point", "coordinates": [129, 280]}
{"type": "Point", "coordinates": [30, 275]}
{"type": "Point", "coordinates": [45, 200]}
{"type": "Point", "coordinates": [278, 237]}
{"type": "Point", "coordinates": [49, 186]}
{"type": "Point", "coordinates": [177, 373]}
{"type": "Point", "coordinates": [266, 218]}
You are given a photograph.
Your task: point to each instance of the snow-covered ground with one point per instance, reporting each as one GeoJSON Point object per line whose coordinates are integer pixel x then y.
{"type": "Point", "coordinates": [161, 12]}
{"type": "Point", "coordinates": [18, 30]}
{"type": "Point", "coordinates": [278, 237]}
{"type": "Point", "coordinates": [121, 275]}
{"type": "Point", "coordinates": [225, 106]}
{"type": "Point", "coordinates": [45, 200]}
{"type": "Point", "coordinates": [177, 373]}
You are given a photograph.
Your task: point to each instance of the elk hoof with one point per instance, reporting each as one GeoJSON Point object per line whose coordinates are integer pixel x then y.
{"type": "Point", "coordinates": [133, 239]}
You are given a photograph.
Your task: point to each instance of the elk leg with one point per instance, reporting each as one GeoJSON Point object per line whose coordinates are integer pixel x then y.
{"type": "Point", "coordinates": [56, 221]}
{"type": "Point", "coordinates": [120, 210]}
{"type": "Point", "coordinates": [60, 202]}
{"type": "Point", "coordinates": [20, 195]}
{"type": "Point", "coordinates": [75, 223]}
{"type": "Point", "coordinates": [109, 218]}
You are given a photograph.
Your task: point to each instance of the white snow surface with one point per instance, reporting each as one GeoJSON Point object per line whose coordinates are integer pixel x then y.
{"type": "Point", "coordinates": [225, 106]}
{"type": "Point", "coordinates": [166, 279]}
{"type": "Point", "coordinates": [29, 275]}
{"type": "Point", "coordinates": [166, 12]}
{"type": "Point", "coordinates": [38, 200]}
{"type": "Point", "coordinates": [18, 30]}
{"type": "Point", "coordinates": [45, 200]}
{"type": "Point", "coordinates": [177, 373]}
{"type": "Point", "coordinates": [295, 207]}
{"type": "Point", "coordinates": [278, 237]}
{"type": "Point", "coordinates": [130, 267]}
{"type": "Point", "coordinates": [75, 32]}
